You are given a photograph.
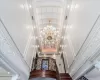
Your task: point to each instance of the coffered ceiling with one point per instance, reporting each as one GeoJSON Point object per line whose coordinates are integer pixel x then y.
{"type": "Point", "coordinates": [49, 17]}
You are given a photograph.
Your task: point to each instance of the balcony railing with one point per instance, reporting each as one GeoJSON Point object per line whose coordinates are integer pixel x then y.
{"type": "Point", "coordinates": [44, 67]}
{"type": "Point", "coordinates": [44, 63]}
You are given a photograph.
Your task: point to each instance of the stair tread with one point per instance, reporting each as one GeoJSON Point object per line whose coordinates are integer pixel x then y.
{"type": "Point", "coordinates": [65, 76]}
{"type": "Point", "coordinates": [66, 79]}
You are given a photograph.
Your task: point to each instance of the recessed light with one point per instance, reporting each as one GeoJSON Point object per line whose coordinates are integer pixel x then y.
{"type": "Point", "coordinates": [54, 56]}
{"type": "Point", "coordinates": [8, 72]}
{"type": "Point", "coordinates": [68, 6]}
{"type": "Point", "coordinates": [30, 6]}
{"type": "Point", "coordinates": [22, 6]}
{"type": "Point", "coordinates": [76, 6]}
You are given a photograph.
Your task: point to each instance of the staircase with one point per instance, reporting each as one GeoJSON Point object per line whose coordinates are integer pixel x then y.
{"type": "Point", "coordinates": [65, 76]}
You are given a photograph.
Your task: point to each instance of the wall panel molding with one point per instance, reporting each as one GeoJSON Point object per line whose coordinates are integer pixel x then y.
{"type": "Point", "coordinates": [11, 54]}
{"type": "Point", "coordinates": [89, 48]}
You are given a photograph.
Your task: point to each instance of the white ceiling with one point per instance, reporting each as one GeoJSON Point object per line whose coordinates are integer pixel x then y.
{"type": "Point", "coordinates": [49, 12]}
{"type": "Point", "coordinates": [45, 10]}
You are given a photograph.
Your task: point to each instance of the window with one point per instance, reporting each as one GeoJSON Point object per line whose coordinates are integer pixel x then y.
{"type": "Point", "coordinates": [45, 63]}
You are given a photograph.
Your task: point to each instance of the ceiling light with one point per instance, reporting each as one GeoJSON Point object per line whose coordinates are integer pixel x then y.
{"type": "Point", "coordinates": [32, 37]}
{"type": "Point", "coordinates": [8, 72]}
{"type": "Point", "coordinates": [72, 7]}
{"type": "Point", "coordinates": [30, 6]}
{"type": "Point", "coordinates": [65, 45]}
{"type": "Point", "coordinates": [38, 52]}
{"type": "Point", "coordinates": [97, 65]}
{"type": "Point", "coordinates": [34, 27]}
{"type": "Point", "coordinates": [64, 26]}
{"type": "Point", "coordinates": [14, 53]}
{"type": "Point", "coordinates": [35, 37]}
{"type": "Point", "coordinates": [44, 55]}
{"type": "Point", "coordinates": [62, 46]}
{"type": "Point", "coordinates": [59, 52]}
{"type": "Point", "coordinates": [38, 46]}
{"type": "Point", "coordinates": [70, 26]}
{"type": "Point", "coordinates": [41, 31]}
{"type": "Point", "coordinates": [27, 27]}
{"type": "Point", "coordinates": [54, 56]}
{"type": "Point", "coordinates": [32, 46]}
{"type": "Point", "coordinates": [62, 37]}
{"type": "Point", "coordinates": [22, 6]}
{"type": "Point", "coordinates": [76, 6]}
{"type": "Point", "coordinates": [68, 6]}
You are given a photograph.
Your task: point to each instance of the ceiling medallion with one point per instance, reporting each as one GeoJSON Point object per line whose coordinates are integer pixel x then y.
{"type": "Point", "coordinates": [49, 37]}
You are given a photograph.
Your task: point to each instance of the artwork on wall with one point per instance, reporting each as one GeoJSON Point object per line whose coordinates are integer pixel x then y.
{"type": "Point", "coordinates": [45, 63]}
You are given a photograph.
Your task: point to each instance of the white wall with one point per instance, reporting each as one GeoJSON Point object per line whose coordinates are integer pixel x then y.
{"type": "Point", "coordinates": [68, 54]}
{"type": "Point", "coordinates": [60, 64]}
{"type": "Point", "coordinates": [16, 17]}
{"type": "Point", "coordinates": [82, 16]}
{"type": "Point", "coordinates": [81, 20]}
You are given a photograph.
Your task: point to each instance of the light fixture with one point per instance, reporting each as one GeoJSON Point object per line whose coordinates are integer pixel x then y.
{"type": "Point", "coordinates": [64, 26]}
{"type": "Point", "coordinates": [39, 52]}
{"type": "Point", "coordinates": [32, 37]}
{"type": "Point", "coordinates": [76, 6]}
{"type": "Point", "coordinates": [22, 6]}
{"type": "Point", "coordinates": [8, 72]}
{"type": "Point", "coordinates": [62, 37]}
{"type": "Point", "coordinates": [54, 56]}
{"type": "Point", "coordinates": [68, 6]}
{"type": "Point", "coordinates": [38, 46]}
{"type": "Point", "coordinates": [34, 27]}
{"type": "Point", "coordinates": [44, 55]}
{"type": "Point", "coordinates": [30, 6]}
{"type": "Point", "coordinates": [27, 27]}
{"type": "Point", "coordinates": [97, 65]}
{"type": "Point", "coordinates": [36, 37]}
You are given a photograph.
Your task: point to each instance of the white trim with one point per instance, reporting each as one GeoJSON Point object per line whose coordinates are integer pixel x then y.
{"type": "Point", "coordinates": [9, 52]}
{"type": "Point", "coordinates": [89, 49]}
{"type": "Point", "coordinates": [71, 46]}
{"type": "Point", "coordinates": [28, 44]}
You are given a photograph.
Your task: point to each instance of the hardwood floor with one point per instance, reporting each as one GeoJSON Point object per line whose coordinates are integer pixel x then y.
{"type": "Point", "coordinates": [65, 76]}
{"type": "Point", "coordinates": [43, 73]}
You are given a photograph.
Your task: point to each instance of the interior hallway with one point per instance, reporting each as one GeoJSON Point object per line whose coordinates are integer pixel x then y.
{"type": "Point", "coordinates": [61, 33]}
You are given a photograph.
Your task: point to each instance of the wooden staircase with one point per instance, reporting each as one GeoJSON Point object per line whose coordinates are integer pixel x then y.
{"type": "Point", "coordinates": [65, 76]}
